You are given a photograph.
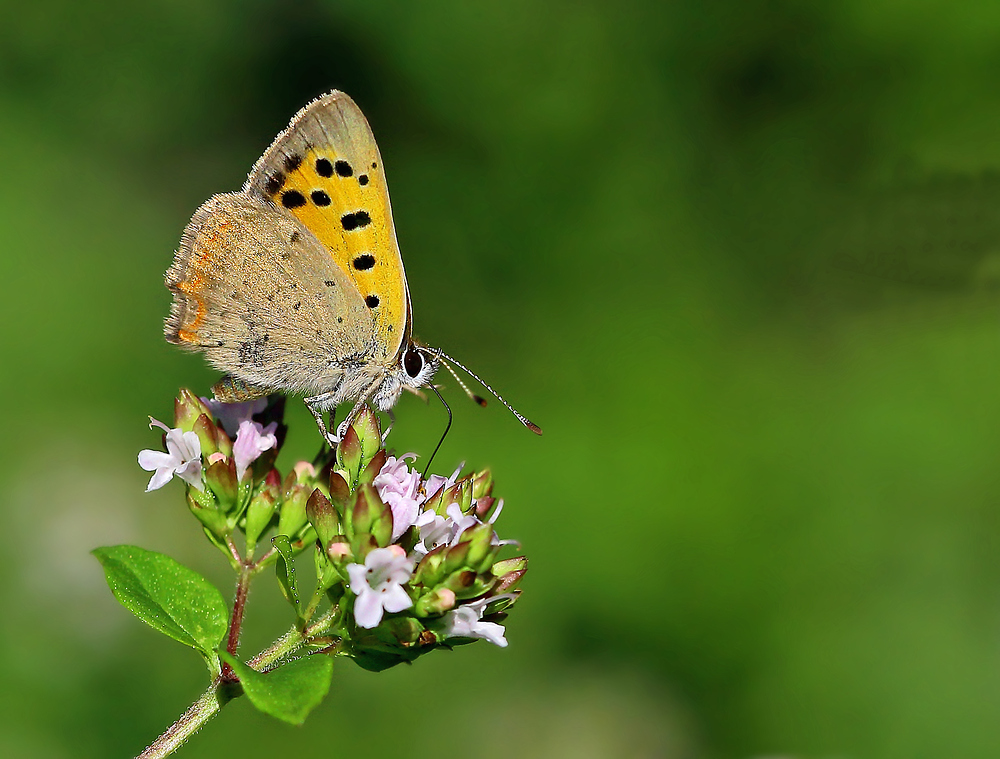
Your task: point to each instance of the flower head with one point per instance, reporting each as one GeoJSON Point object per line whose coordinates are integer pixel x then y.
{"type": "Point", "coordinates": [183, 458]}
{"type": "Point", "coordinates": [378, 585]}
{"type": "Point", "coordinates": [252, 440]}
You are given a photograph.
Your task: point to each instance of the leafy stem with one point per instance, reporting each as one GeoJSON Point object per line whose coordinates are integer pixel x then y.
{"type": "Point", "coordinates": [222, 691]}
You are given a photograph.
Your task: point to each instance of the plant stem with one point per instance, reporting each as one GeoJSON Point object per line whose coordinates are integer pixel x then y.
{"type": "Point", "coordinates": [221, 692]}
{"type": "Point", "coordinates": [236, 622]}
{"type": "Point", "coordinates": [200, 712]}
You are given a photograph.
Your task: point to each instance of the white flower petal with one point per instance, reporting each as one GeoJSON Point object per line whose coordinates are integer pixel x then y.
{"type": "Point", "coordinates": [191, 474]}
{"type": "Point", "coordinates": [368, 610]}
{"type": "Point", "coordinates": [395, 599]}
{"type": "Point", "coordinates": [490, 631]}
{"type": "Point", "coordinates": [150, 460]}
{"type": "Point", "coordinates": [159, 479]}
{"type": "Point", "coordinates": [359, 578]}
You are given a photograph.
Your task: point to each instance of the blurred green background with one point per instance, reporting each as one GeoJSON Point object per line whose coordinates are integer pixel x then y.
{"type": "Point", "coordinates": [740, 260]}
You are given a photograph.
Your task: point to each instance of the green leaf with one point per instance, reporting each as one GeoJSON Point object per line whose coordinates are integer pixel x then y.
{"type": "Point", "coordinates": [289, 692]}
{"type": "Point", "coordinates": [166, 595]}
{"type": "Point", "coordinates": [285, 570]}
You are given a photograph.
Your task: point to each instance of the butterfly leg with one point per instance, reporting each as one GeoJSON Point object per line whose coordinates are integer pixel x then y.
{"type": "Point", "coordinates": [315, 405]}
{"type": "Point", "coordinates": [362, 400]}
{"type": "Point", "coordinates": [392, 421]}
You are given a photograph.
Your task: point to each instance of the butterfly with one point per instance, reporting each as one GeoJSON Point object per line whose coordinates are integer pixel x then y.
{"type": "Point", "coordinates": [296, 284]}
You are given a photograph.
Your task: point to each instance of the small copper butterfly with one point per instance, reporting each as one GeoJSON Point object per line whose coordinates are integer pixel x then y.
{"type": "Point", "coordinates": [296, 283]}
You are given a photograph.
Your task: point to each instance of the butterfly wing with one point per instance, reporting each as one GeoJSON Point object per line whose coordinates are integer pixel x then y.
{"type": "Point", "coordinates": [264, 300]}
{"type": "Point", "coordinates": [325, 172]}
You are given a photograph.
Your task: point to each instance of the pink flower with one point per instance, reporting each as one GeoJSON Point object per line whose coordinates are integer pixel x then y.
{"type": "Point", "coordinates": [378, 585]}
{"type": "Point", "coordinates": [252, 440]}
{"type": "Point", "coordinates": [399, 488]}
{"type": "Point", "coordinates": [183, 458]}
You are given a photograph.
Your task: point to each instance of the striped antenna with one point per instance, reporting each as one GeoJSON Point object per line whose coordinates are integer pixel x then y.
{"type": "Point", "coordinates": [475, 398]}
{"type": "Point", "coordinates": [520, 417]}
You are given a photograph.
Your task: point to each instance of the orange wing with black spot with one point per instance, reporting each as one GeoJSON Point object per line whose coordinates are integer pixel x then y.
{"type": "Point", "coordinates": [325, 172]}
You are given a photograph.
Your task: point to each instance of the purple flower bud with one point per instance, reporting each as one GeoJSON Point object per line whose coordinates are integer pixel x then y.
{"type": "Point", "coordinates": [252, 440]}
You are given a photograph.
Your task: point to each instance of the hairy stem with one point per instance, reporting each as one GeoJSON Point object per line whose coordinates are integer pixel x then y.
{"type": "Point", "coordinates": [236, 621]}
{"type": "Point", "coordinates": [200, 712]}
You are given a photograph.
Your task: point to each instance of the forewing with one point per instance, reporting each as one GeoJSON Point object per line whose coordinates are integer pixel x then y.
{"type": "Point", "coordinates": [263, 299]}
{"type": "Point", "coordinates": [325, 171]}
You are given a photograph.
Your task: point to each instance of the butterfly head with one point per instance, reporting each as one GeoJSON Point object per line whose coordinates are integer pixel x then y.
{"type": "Point", "coordinates": [416, 369]}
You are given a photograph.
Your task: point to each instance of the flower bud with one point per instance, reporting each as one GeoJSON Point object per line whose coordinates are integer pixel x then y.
{"type": "Point", "coordinates": [456, 557]}
{"type": "Point", "coordinates": [517, 564]}
{"type": "Point", "coordinates": [321, 515]}
{"type": "Point", "coordinates": [462, 582]}
{"type": "Point", "coordinates": [340, 492]}
{"type": "Point", "coordinates": [509, 582]}
{"type": "Point", "coordinates": [437, 602]}
{"type": "Point", "coordinates": [484, 506]}
{"type": "Point", "coordinates": [259, 514]}
{"type": "Point", "coordinates": [373, 467]}
{"type": "Point", "coordinates": [292, 516]}
{"type": "Point", "coordinates": [481, 550]}
{"type": "Point", "coordinates": [370, 515]}
{"type": "Point", "coordinates": [303, 472]}
{"type": "Point", "coordinates": [349, 455]}
{"type": "Point", "coordinates": [369, 435]}
{"type": "Point", "coordinates": [482, 484]}
{"type": "Point", "coordinates": [460, 493]}
{"type": "Point", "coordinates": [206, 431]}
{"type": "Point", "coordinates": [204, 508]}
{"type": "Point", "coordinates": [221, 478]}
{"type": "Point", "coordinates": [187, 408]}
{"type": "Point", "coordinates": [339, 551]}
{"type": "Point", "coordinates": [483, 582]}
{"type": "Point", "coordinates": [273, 479]}
{"type": "Point", "coordinates": [429, 571]}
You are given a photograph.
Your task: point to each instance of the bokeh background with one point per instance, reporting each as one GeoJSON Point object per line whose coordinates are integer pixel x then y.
{"type": "Point", "coordinates": [741, 260]}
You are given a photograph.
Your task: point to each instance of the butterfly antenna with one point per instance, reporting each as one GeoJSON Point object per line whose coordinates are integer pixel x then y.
{"type": "Point", "coordinates": [448, 427]}
{"type": "Point", "coordinates": [476, 398]}
{"type": "Point", "coordinates": [520, 417]}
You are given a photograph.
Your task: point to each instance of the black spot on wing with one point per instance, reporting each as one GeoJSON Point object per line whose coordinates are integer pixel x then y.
{"type": "Point", "coordinates": [252, 351]}
{"type": "Point", "coordinates": [292, 199]}
{"type": "Point", "coordinates": [292, 162]}
{"type": "Point", "coordinates": [274, 183]}
{"type": "Point", "coordinates": [364, 262]}
{"type": "Point", "coordinates": [355, 220]}
{"type": "Point", "coordinates": [330, 283]}
{"type": "Point", "coordinates": [324, 168]}
{"type": "Point", "coordinates": [363, 179]}
{"type": "Point", "coordinates": [320, 198]}
{"type": "Point", "coordinates": [372, 301]}
{"type": "Point", "coordinates": [343, 169]}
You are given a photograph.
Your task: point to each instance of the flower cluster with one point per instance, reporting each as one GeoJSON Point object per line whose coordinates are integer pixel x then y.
{"type": "Point", "coordinates": [410, 564]}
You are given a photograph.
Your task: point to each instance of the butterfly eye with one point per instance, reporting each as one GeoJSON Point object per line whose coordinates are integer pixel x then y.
{"type": "Point", "coordinates": [413, 362]}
